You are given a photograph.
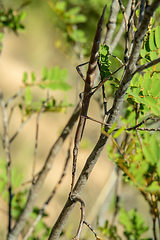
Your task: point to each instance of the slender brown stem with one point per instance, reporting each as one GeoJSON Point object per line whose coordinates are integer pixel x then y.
{"type": "Point", "coordinates": [8, 159]}
{"type": "Point", "coordinates": [92, 230]}
{"type": "Point", "coordinates": [78, 199]}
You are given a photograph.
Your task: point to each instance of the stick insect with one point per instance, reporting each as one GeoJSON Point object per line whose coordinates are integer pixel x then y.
{"type": "Point", "coordinates": [88, 92]}
{"type": "Point", "coordinates": [89, 81]}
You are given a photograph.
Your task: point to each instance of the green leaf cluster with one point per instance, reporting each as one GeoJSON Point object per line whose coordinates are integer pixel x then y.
{"type": "Point", "coordinates": [52, 79]}
{"type": "Point", "coordinates": [110, 231]}
{"type": "Point", "coordinates": [104, 61]}
{"type": "Point", "coordinates": [140, 167]}
{"type": "Point", "coordinates": [67, 19]}
{"type": "Point", "coordinates": [133, 224]}
{"type": "Point", "coordinates": [145, 87]}
{"type": "Point", "coordinates": [12, 19]}
{"type": "Point", "coordinates": [19, 199]}
{"type": "Point", "coordinates": [55, 79]}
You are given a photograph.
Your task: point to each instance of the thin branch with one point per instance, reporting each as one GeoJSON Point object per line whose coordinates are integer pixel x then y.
{"type": "Point", "coordinates": [147, 65]}
{"type": "Point", "coordinates": [137, 133]}
{"type": "Point", "coordinates": [117, 58]}
{"type": "Point", "coordinates": [127, 31]}
{"type": "Point", "coordinates": [121, 28]}
{"type": "Point", "coordinates": [40, 214]}
{"type": "Point", "coordinates": [37, 132]}
{"type": "Point", "coordinates": [92, 230]}
{"type": "Point", "coordinates": [154, 227]}
{"type": "Point", "coordinates": [36, 187]}
{"type": "Point", "coordinates": [10, 100]}
{"type": "Point", "coordinates": [78, 199]}
{"type": "Point", "coordinates": [118, 195]}
{"type": "Point", "coordinates": [141, 12]}
{"type": "Point", "coordinates": [20, 128]}
{"type": "Point", "coordinates": [111, 24]}
{"type": "Point", "coordinates": [149, 129]}
{"type": "Point", "coordinates": [142, 122]}
{"type": "Point", "coordinates": [8, 159]}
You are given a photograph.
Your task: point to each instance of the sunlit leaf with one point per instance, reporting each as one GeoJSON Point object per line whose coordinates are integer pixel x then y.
{"type": "Point", "coordinates": [152, 43]}
{"type": "Point", "coordinates": [28, 96]}
{"type": "Point", "coordinates": [157, 36]}
{"type": "Point", "coordinates": [25, 77]}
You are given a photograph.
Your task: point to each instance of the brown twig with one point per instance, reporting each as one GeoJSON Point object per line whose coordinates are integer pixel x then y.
{"type": "Point", "coordinates": [142, 122]}
{"type": "Point", "coordinates": [8, 159]}
{"type": "Point", "coordinates": [78, 199]}
{"type": "Point", "coordinates": [149, 129]}
{"type": "Point", "coordinates": [36, 135]}
{"type": "Point", "coordinates": [118, 195]}
{"type": "Point", "coordinates": [10, 100]}
{"type": "Point", "coordinates": [127, 31]}
{"type": "Point", "coordinates": [20, 128]}
{"type": "Point", "coordinates": [147, 65]}
{"type": "Point", "coordinates": [92, 230]}
{"type": "Point", "coordinates": [141, 12]}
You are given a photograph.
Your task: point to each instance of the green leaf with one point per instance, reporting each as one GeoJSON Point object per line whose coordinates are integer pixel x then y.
{"type": "Point", "coordinates": [61, 6]}
{"type": "Point", "coordinates": [155, 147]}
{"type": "Point", "coordinates": [152, 43]}
{"type": "Point", "coordinates": [146, 83]}
{"type": "Point", "coordinates": [28, 96]}
{"type": "Point", "coordinates": [44, 73]}
{"type": "Point", "coordinates": [143, 53]}
{"type": "Point", "coordinates": [112, 128]}
{"type": "Point", "coordinates": [56, 86]}
{"type": "Point", "coordinates": [1, 36]}
{"type": "Point", "coordinates": [22, 16]}
{"type": "Point", "coordinates": [33, 77]}
{"type": "Point", "coordinates": [154, 187]}
{"type": "Point", "coordinates": [148, 154]}
{"type": "Point", "coordinates": [153, 55]}
{"type": "Point", "coordinates": [150, 101]}
{"type": "Point", "coordinates": [155, 87]}
{"type": "Point", "coordinates": [78, 35]}
{"type": "Point", "coordinates": [25, 77]}
{"type": "Point", "coordinates": [157, 36]}
{"type": "Point", "coordinates": [119, 131]}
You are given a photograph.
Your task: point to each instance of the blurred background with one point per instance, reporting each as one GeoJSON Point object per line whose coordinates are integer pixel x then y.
{"type": "Point", "coordinates": [50, 38]}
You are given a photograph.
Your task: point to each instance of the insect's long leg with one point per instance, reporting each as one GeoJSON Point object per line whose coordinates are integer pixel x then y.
{"type": "Point", "coordinates": [104, 100]}
{"type": "Point", "coordinates": [79, 70]}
